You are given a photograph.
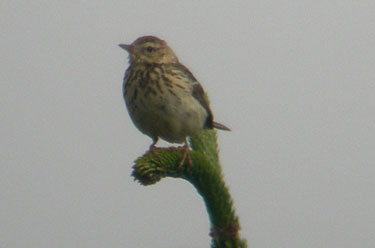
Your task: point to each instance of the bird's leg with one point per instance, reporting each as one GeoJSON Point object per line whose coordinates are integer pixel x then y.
{"type": "Point", "coordinates": [153, 148]}
{"type": "Point", "coordinates": [185, 154]}
{"type": "Point", "coordinates": [153, 145]}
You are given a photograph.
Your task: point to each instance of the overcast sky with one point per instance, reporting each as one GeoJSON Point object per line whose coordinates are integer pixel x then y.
{"type": "Point", "coordinates": [294, 80]}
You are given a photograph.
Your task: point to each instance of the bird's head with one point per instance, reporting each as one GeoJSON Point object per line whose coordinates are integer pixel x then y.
{"type": "Point", "coordinates": [149, 50]}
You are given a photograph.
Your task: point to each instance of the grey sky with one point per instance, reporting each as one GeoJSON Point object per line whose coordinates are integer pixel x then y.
{"type": "Point", "coordinates": [293, 79]}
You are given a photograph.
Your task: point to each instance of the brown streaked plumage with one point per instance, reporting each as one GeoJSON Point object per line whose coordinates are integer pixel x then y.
{"type": "Point", "coordinates": [162, 96]}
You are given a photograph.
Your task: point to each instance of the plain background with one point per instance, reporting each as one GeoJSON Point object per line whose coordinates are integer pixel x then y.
{"type": "Point", "coordinates": [293, 79]}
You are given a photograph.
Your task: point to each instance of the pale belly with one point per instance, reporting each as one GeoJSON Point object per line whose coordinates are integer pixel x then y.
{"type": "Point", "coordinates": [171, 117]}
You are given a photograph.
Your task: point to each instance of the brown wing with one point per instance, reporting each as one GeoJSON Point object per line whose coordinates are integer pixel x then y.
{"type": "Point", "coordinates": [196, 89]}
{"type": "Point", "coordinates": [198, 93]}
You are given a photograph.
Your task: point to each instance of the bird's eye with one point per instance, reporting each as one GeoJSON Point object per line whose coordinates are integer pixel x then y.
{"type": "Point", "coordinates": [150, 49]}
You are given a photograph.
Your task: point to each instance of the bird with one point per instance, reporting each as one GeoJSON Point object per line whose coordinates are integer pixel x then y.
{"type": "Point", "coordinates": [163, 98]}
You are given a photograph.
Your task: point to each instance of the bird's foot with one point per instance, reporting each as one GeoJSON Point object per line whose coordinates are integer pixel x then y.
{"type": "Point", "coordinates": [185, 155]}
{"type": "Point", "coordinates": [184, 149]}
{"type": "Point", "coordinates": [153, 149]}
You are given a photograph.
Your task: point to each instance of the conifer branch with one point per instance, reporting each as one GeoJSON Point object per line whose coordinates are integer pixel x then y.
{"type": "Point", "coordinates": [205, 175]}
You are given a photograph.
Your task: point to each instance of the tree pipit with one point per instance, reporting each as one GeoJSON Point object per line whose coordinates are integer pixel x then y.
{"type": "Point", "coordinates": [163, 97]}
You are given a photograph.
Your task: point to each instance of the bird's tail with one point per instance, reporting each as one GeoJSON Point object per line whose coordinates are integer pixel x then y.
{"type": "Point", "coordinates": [220, 126]}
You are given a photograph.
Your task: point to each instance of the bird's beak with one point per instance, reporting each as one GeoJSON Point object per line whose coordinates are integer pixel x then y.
{"type": "Point", "coordinates": [126, 47]}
